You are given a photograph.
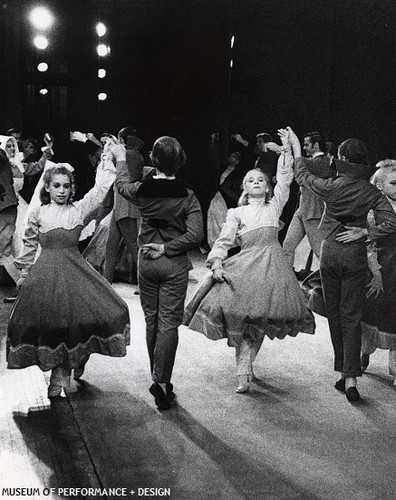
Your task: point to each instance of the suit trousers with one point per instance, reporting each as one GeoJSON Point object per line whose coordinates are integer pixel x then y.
{"type": "Point", "coordinates": [163, 287]}
{"type": "Point", "coordinates": [298, 228]}
{"type": "Point", "coordinates": [344, 273]}
{"type": "Point", "coordinates": [127, 229]}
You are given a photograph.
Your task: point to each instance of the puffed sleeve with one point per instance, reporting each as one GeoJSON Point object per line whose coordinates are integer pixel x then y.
{"type": "Point", "coordinates": [105, 177]}
{"type": "Point", "coordinates": [226, 240]}
{"type": "Point", "coordinates": [284, 177]}
{"type": "Point", "coordinates": [30, 242]}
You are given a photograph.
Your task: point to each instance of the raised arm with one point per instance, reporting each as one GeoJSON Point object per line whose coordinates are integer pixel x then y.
{"type": "Point", "coordinates": [284, 171]}
{"type": "Point", "coordinates": [105, 177]}
{"type": "Point", "coordinates": [128, 180]}
{"type": "Point", "coordinates": [37, 167]}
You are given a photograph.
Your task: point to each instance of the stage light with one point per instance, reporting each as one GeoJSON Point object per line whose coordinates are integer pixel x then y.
{"type": "Point", "coordinates": [41, 18]}
{"type": "Point", "coordinates": [232, 40]}
{"type": "Point", "coordinates": [42, 67]}
{"type": "Point", "coordinates": [40, 42]}
{"type": "Point", "coordinates": [231, 63]}
{"type": "Point", "coordinates": [103, 50]}
{"type": "Point", "coordinates": [101, 73]}
{"type": "Point", "coordinates": [43, 91]}
{"type": "Point", "coordinates": [101, 29]}
{"type": "Point", "coordinates": [102, 96]}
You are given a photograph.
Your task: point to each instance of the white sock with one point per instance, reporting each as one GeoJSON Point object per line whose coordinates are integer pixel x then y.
{"type": "Point", "coordinates": [350, 382]}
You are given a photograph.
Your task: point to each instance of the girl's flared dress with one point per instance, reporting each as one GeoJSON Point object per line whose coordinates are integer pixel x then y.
{"type": "Point", "coordinates": [65, 310]}
{"type": "Point", "coordinates": [261, 294]}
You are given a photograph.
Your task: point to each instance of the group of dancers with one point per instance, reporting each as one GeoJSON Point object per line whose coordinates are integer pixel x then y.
{"type": "Point", "coordinates": [65, 310]}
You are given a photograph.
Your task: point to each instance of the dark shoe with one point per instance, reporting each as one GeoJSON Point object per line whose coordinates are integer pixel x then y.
{"type": "Point", "coordinates": [161, 400]}
{"type": "Point", "coordinates": [340, 385]}
{"type": "Point", "coordinates": [364, 361]}
{"type": "Point", "coordinates": [169, 392]}
{"type": "Point", "coordinates": [9, 300]}
{"type": "Point", "coordinates": [352, 394]}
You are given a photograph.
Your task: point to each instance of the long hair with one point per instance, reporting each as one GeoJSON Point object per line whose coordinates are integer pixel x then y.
{"type": "Point", "coordinates": [244, 198]}
{"type": "Point", "coordinates": [48, 176]}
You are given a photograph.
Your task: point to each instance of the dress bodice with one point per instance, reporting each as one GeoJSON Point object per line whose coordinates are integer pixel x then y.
{"type": "Point", "coordinates": [60, 238]}
{"type": "Point", "coordinates": [259, 238]}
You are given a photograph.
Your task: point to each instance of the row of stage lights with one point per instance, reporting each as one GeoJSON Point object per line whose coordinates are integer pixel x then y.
{"type": "Point", "coordinates": [42, 20]}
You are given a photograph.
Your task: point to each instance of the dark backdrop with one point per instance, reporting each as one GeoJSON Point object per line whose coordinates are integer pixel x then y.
{"type": "Point", "coordinates": [314, 64]}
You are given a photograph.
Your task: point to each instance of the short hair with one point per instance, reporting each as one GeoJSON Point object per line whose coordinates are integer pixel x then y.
{"type": "Point", "coordinates": [244, 198]}
{"type": "Point", "coordinates": [266, 137]}
{"type": "Point", "coordinates": [237, 154]}
{"type": "Point", "coordinates": [49, 174]}
{"type": "Point", "coordinates": [354, 150]}
{"type": "Point", "coordinates": [316, 137]}
{"type": "Point", "coordinates": [125, 132]}
{"type": "Point", "coordinates": [13, 130]}
{"type": "Point", "coordinates": [168, 155]}
{"type": "Point", "coordinates": [331, 148]}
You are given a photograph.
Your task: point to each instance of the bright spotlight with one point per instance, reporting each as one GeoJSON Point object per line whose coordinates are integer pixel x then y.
{"type": "Point", "coordinates": [42, 67]}
{"type": "Point", "coordinates": [101, 29]}
{"type": "Point", "coordinates": [102, 96]}
{"type": "Point", "coordinates": [232, 40]}
{"type": "Point", "coordinates": [40, 42]}
{"type": "Point", "coordinates": [41, 18]}
{"type": "Point", "coordinates": [101, 73]}
{"type": "Point", "coordinates": [43, 91]}
{"type": "Point", "coordinates": [103, 50]}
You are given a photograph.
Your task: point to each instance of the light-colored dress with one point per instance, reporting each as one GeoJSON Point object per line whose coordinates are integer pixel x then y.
{"type": "Point", "coordinates": [262, 294]}
{"type": "Point", "coordinates": [65, 310]}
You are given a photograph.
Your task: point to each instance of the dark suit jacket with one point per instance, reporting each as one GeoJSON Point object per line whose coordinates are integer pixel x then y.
{"type": "Point", "coordinates": [170, 211]}
{"type": "Point", "coordinates": [348, 197]}
{"type": "Point", "coordinates": [311, 206]}
{"type": "Point", "coordinates": [122, 207]}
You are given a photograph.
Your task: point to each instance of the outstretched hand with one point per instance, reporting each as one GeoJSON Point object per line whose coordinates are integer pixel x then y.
{"type": "Point", "coordinates": [237, 137]}
{"type": "Point", "coordinates": [293, 139]}
{"type": "Point", "coordinates": [114, 147]}
{"type": "Point", "coordinates": [79, 136]}
{"type": "Point", "coordinates": [47, 149]}
{"type": "Point", "coordinates": [350, 234]}
{"type": "Point", "coordinates": [284, 136]}
{"type": "Point", "coordinates": [375, 287]}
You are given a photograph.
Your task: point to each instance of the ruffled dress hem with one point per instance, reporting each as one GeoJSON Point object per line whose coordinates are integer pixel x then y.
{"type": "Point", "coordinates": [24, 355]}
